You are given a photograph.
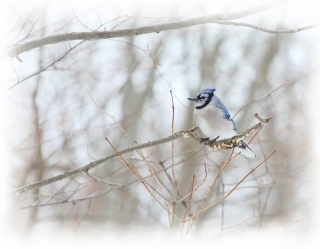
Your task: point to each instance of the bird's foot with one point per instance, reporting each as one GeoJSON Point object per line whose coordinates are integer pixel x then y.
{"type": "Point", "coordinates": [214, 140]}
{"type": "Point", "coordinates": [207, 139]}
{"type": "Point", "coordinates": [203, 139]}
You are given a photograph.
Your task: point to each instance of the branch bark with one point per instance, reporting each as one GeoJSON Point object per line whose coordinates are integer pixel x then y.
{"type": "Point", "coordinates": [220, 18]}
{"type": "Point", "coordinates": [219, 144]}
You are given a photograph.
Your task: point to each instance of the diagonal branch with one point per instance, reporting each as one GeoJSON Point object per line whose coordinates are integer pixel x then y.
{"type": "Point", "coordinates": [43, 69]}
{"type": "Point", "coordinates": [230, 192]}
{"type": "Point", "coordinates": [219, 144]}
{"type": "Point", "coordinates": [220, 18]}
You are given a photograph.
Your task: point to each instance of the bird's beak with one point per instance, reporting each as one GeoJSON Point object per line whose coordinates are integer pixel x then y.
{"type": "Point", "coordinates": [193, 99]}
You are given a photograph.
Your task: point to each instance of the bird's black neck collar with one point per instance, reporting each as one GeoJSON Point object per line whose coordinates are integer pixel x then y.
{"type": "Point", "coordinates": [206, 102]}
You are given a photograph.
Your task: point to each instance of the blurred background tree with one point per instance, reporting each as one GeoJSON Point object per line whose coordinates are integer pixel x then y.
{"type": "Point", "coordinates": [72, 95]}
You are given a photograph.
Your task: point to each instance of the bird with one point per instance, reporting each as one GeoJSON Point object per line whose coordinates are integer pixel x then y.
{"type": "Point", "coordinates": [214, 120]}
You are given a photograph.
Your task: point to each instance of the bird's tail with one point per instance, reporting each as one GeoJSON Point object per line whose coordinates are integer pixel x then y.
{"type": "Point", "coordinates": [245, 150]}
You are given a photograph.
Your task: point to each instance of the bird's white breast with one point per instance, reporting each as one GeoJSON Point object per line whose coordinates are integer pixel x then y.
{"type": "Point", "coordinates": [212, 123]}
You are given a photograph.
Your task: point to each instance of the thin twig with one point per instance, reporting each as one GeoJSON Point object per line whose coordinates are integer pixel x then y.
{"type": "Point", "coordinates": [172, 148]}
{"type": "Point", "coordinates": [102, 181]}
{"type": "Point", "coordinates": [43, 69]}
{"type": "Point", "coordinates": [208, 194]}
{"type": "Point", "coordinates": [142, 180]}
{"type": "Point", "coordinates": [290, 223]}
{"type": "Point", "coordinates": [230, 192]}
{"type": "Point", "coordinates": [196, 188]}
{"type": "Point", "coordinates": [32, 26]}
{"type": "Point", "coordinates": [79, 20]}
{"type": "Point", "coordinates": [144, 234]}
{"type": "Point", "coordinates": [192, 189]}
{"type": "Point", "coordinates": [156, 179]}
{"type": "Point", "coordinates": [270, 31]}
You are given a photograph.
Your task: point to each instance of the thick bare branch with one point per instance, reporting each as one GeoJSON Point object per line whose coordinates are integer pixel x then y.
{"type": "Point", "coordinates": [219, 144]}
{"type": "Point", "coordinates": [92, 165]}
{"type": "Point", "coordinates": [220, 18]}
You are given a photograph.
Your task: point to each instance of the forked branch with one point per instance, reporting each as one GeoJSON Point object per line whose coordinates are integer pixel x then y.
{"type": "Point", "coordinates": [219, 144]}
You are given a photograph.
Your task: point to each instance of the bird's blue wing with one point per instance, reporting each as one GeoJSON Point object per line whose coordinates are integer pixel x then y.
{"type": "Point", "coordinates": [226, 115]}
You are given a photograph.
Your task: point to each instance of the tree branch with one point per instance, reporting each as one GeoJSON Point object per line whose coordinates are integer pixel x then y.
{"type": "Point", "coordinates": [219, 144]}
{"type": "Point", "coordinates": [220, 18]}
{"type": "Point", "coordinates": [270, 31]}
{"type": "Point", "coordinates": [102, 181]}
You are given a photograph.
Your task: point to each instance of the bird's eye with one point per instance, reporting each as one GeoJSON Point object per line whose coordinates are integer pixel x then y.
{"type": "Point", "coordinates": [202, 97]}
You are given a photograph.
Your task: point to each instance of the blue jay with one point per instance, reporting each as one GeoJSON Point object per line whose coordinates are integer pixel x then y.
{"type": "Point", "coordinates": [214, 120]}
